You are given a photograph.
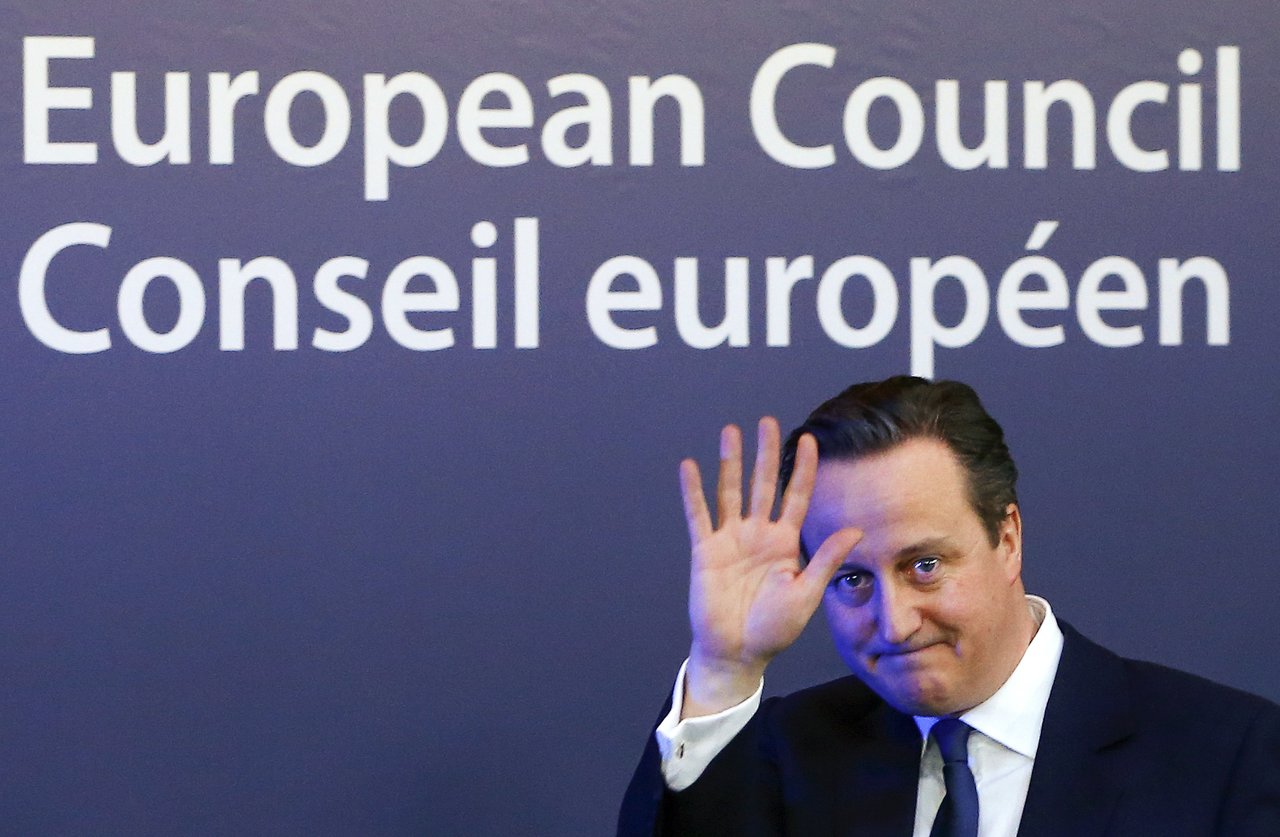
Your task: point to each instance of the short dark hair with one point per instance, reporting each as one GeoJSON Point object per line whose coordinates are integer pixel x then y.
{"type": "Point", "coordinates": [872, 417]}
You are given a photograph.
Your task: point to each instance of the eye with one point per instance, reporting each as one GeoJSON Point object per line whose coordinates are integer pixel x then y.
{"type": "Point", "coordinates": [853, 587]}
{"type": "Point", "coordinates": [852, 581]}
{"type": "Point", "coordinates": [926, 568]}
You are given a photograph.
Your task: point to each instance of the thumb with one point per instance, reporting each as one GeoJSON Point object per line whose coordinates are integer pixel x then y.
{"type": "Point", "coordinates": [829, 557]}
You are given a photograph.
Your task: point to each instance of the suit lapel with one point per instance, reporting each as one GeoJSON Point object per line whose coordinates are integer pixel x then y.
{"type": "Point", "coordinates": [1090, 710]}
{"type": "Point", "coordinates": [877, 789]}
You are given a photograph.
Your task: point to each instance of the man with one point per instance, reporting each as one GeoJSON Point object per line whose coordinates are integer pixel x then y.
{"type": "Point", "coordinates": [972, 709]}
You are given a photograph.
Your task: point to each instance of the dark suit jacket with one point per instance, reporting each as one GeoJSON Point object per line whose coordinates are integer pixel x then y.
{"type": "Point", "coordinates": [1127, 748]}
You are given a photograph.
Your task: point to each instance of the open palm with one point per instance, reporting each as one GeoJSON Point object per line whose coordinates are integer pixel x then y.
{"type": "Point", "coordinates": [749, 596]}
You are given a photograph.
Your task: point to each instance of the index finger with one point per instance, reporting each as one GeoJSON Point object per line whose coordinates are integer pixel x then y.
{"type": "Point", "coordinates": [795, 501]}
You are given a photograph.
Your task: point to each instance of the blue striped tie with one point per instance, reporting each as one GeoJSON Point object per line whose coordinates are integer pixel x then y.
{"type": "Point", "coordinates": [958, 814]}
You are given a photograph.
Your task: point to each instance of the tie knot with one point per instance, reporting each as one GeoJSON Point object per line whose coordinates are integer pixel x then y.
{"type": "Point", "coordinates": [952, 736]}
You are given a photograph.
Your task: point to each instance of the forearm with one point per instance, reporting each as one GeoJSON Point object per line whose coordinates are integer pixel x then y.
{"type": "Point", "coordinates": [688, 743]}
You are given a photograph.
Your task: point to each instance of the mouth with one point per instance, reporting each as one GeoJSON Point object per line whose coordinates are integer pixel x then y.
{"type": "Point", "coordinates": [902, 656]}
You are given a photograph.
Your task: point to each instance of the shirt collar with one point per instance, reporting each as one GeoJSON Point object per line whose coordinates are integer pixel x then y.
{"type": "Point", "coordinates": [1014, 714]}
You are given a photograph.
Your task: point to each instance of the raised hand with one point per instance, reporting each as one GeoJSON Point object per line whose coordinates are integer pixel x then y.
{"type": "Point", "coordinates": [749, 598]}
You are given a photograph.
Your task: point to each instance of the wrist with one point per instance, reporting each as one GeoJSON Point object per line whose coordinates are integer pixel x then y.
{"type": "Point", "coordinates": [713, 684]}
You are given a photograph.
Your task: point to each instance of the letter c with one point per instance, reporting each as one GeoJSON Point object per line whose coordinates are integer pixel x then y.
{"type": "Point", "coordinates": [764, 115]}
{"type": "Point", "coordinates": [31, 296]}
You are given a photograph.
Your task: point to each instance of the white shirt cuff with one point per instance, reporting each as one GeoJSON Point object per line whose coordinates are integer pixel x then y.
{"type": "Point", "coordinates": [689, 745]}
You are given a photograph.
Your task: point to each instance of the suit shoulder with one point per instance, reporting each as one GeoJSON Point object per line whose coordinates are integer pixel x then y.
{"type": "Point", "coordinates": [1159, 693]}
{"type": "Point", "coordinates": [1157, 685]}
{"type": "Point", "coordinates": [840, 705]}
{"type": "Point", "coordinates": [844, 692]}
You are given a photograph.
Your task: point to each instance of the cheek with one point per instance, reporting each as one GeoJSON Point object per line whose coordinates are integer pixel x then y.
{"type": "Point", "coordinates": [967, 618]}
{"type": "Point", "coordinates": [849, 626]}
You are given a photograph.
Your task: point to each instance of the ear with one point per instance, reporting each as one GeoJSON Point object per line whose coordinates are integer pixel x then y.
{"type": "Point", "coordinates": [1010, 543]}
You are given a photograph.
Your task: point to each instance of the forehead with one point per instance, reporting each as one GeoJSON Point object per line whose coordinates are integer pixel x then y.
{"type": "Point", "coordinates": [913, 491]}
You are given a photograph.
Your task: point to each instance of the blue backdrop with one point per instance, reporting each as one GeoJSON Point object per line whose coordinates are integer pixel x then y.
{"type": "Point", "coordinates": [406, 555]}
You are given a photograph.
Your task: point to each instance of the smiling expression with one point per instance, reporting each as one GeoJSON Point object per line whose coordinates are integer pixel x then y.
{"type": "Point", "coordinates": [925, 610]}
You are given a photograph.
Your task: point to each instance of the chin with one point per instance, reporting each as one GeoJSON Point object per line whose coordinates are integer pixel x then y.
{"type": "Point", "coordinates": [919, 692]}
{"type": "Point", "coordinates": [916, 698]}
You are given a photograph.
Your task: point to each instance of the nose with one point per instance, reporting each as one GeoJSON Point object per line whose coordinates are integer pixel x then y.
{"type": "Point", "coordinates": [897, 613]}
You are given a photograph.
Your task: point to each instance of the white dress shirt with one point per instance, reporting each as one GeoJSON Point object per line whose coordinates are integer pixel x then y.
{"type": "Point", "coordinates": [1002, 748]}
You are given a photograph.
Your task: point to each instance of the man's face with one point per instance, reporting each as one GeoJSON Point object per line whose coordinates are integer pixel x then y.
{"type": "Point", "coordinates": [924, 610]}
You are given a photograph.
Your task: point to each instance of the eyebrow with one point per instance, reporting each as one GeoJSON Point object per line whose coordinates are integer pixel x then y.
{"type": "Point", "coordinates": [934, 544]}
